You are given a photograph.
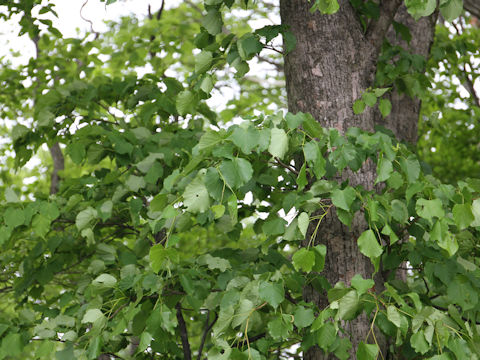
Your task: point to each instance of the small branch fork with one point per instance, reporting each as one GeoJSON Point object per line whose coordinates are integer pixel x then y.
{"type": "Point", "coordinates": [206, 331]}
{"type": "Point", "coordinates": [468, 81]}
{"type": "Point", "coordinates": [158, 16]}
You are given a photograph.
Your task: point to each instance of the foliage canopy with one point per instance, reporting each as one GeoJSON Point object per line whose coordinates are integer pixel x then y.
{"type": "Point", "coordinates": [167, 236]}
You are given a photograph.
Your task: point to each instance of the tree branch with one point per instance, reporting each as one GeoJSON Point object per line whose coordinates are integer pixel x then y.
{"type": "Point", "coordinates": [473, 7]}
{"type": "Point", "coordinates": [277, 66]}
{"type": "Point", "coordinates": [377, 30]}
{"type": "Point", "coordinates": [58, 165]}
{"type": "Point", "coordinates": [208, 327]}
{"type": "Point", "coordinates": [157, 17]}
{"type": "Point", "coordinates": [187, 353]}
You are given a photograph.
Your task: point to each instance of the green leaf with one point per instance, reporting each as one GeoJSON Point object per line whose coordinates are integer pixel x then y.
{"type": "Point", "coordinates": [461, 292]}
{"type": "Point", "coordinates": [385, 107]}
{"type": "Point", "coordinates": [278, 143]}
{"type": "Point", "coordinates": [186, 102]}
{"type": "Point", "coordinates": [273, 293]}
{"type": "Point", "coordinates": [294, 121]}
{"type": "Point", "coordinates": [195, 196]}
{"type": "Point", "coordinates": [348, 306]}
{"type": "Point", "coordinates": [11, 196]}
{"type": "Point", "coordinates": [207, 84]}
{"type": "Point", "coordinates": [135, 183]}
{"type": "Point", "coordinates": [419, 343]}
{"type": "Point", "coordinates": [66, 353]}
{"type": "Point", "coordinates": [476, 212]}
{"type": "Point", "coordinates": [451, 9]}
{"type": "Point", "coordinates": [161, 256]}
{"type": "Point", "coordinates": [367, 351]}
{"type": "Point", "coordinates": [399, 211]}
{"type": "Point", "coordinates": [248, 45]}
{"type": "Point", "coordinates": [145, 340]}
{"type": "Point", "coordinates": [212, 22]}
{"type": "Point", "coordinates": [358, 106]}
{"type": "Point", "coordinates": [105, 280]}
{"type": "Point", "coordinates": [145, 165]}
{"type": "Point", "coordinates": [246, 139]}
{"type": "Point", "coordinates": [387, 230]}
{"type": "Point", "coordinates": [419, 8]}
{"type": "Point", "coordinates": [369, 98]}
{"type": "Point", "coordinates": [41, 225]}
{"type": "Point", "coordinates": [320, 251]}
{"type": "Point", "coordinates": [84, 217]}
{"type": "Point", "coordinates": [289, 41]}
{"type": "Point", "coordinates": [279, 329]}
{"type": "Point", "coordinates": [380, 91]}
{"type": "Point", "coordinates": [303, 317]}
{"type": "Point", "coordinates": [325, 6]}
{"type": "Point", "coordinates": [218, 211]}
{"type": "Point", "coordinates": [411, 167]}
{"type": "Point", "coordinates": [362, 285]}
{"type": "Point", "coordinates": [203, 61]}
{"type": "Point", "coordinates": [326, 336]}
{"type": "Point", "coordinates": [77, 152]}
{"type": "Point", "coordinates": [236, 172]}
{"type": "Point", "coordinates": [159, 202]}
{"type": "Point", "coordinates": [444, 238]}
{"type": "Point", "coordinates": [274, 227]}
{"type": "Point", "coordinates": [302, 178]}
{"type": "Point", "coordinates": [303, 260]}
{"type": "Point", "coordinates": [209, 139]}
{"type": "Point", "coordinates": [92, 316]}
{"type": "Point", "coordinates": [368, 245]}
{"type": "Point", "coordinates": [314, 158]}
{"type": "Point", "coordinates": [428, 209]}
{"type": "Point", "coordinates": [303, 221]}
{"type": "Point", "coordinates": [394, 316]}
{"type": "Point", "coordinates": [19, 131]}
{"type": "Point", "coordinates": [343, 199]}
{"type": "Point", "coordinates": [384, 169]}
{"type": "Point", "coordinates": [232, 203]}
{"type": "Point", "coordinates": [45, 118]}
{"type": "Point", "coordinates": [13, 217]}
{"type": "Point", "coordinates": [312, 127]}
{"type": "Point", "coordinates": [214, 262]}
{"type": "Point", "coordinates": [463, 215]}
{"type": "Point", "coordinates": [245, 308]}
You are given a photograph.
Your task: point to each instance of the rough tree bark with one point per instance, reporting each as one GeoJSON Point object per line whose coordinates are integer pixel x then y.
{"type": "Point", "coordinates": [333, 63]}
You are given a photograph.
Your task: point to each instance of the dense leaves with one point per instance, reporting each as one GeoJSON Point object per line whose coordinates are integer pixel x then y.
{"type": "Point", "coordinates": [169, 222]}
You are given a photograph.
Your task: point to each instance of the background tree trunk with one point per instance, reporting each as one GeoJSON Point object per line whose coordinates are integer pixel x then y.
{"type": "Point", "coordinates": [333, 63]}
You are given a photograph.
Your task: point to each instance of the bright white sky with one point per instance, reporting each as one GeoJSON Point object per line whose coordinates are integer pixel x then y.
{"type": "Point", "coordinates": [69, 21]}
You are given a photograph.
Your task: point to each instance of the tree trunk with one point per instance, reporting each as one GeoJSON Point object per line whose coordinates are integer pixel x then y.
{"type": "Point", "coordinates": [333, 63]}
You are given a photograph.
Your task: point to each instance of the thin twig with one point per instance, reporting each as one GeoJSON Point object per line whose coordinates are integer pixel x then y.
{"type": "Point", "coordinates": [88, 20]}
{"type": "Point", "coordinates": [286, 166]}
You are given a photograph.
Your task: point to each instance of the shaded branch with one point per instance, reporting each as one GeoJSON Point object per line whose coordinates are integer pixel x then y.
{"type": "Point", "coordinates": [473, 7]}
{"type": "Point", "coordinates": [278, 66]}
{"type": "Point", "coordinates": [157, 17]}
{"type": "Point", "coordinates": [6, 289]}
{"type": "Point", "coordinates": [58, 165]}
{"type": "Point", "coordinates": [286, 166]}
{"type": "Point", "coordinates": [206, 331]}
{"type": "Point", "coordinates": [252, 339]}
{"type": "Point", "coordinates": [469, 85]}
{"type": "Point", "coordinates": [187, 353]}
{"type": "Point", "coordinates": [377, 29]}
